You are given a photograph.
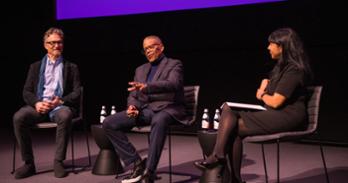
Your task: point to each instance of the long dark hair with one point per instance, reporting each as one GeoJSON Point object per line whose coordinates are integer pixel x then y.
{"type": "Point", "coordinates": [292, 51]}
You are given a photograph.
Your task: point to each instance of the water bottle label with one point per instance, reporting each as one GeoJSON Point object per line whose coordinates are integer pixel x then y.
{"type": "Point", "coordinates": [216, 125]}
{"type": "Point", "coordinates": [205, 124]}
{"type": "Point", "coordinates": [102, 119]}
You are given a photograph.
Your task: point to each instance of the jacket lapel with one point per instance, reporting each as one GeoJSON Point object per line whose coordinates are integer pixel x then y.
{"type": "Point", "coordinates": [65, 73]}
{"type": "Point", "coordinates": [160, 68]}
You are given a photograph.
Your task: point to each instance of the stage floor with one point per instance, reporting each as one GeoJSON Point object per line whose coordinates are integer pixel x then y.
{"type": "Point", "coordinates": [300, 163]}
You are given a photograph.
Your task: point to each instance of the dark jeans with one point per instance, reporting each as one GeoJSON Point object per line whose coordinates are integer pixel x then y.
{"type": "Point", "coordinates": [27, 116]}
{"type": "Point", "coordinates": [116, 125]}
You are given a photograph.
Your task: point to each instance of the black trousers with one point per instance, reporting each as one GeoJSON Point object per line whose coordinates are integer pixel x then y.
{"type": "Point", "coordinates": [27, 116]}
{"type": "Point", "coordinates": [116, 125]}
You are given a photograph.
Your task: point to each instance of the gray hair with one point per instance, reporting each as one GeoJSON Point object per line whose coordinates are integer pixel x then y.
{"type": "Point", "coordinates": [53, 30]}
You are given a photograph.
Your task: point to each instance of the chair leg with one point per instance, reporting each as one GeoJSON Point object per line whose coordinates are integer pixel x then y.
{"type": "Point", "coordinates": [324, 163]}
{"type": "Point", "coordinates": [278, 168]}
{"type": "Point", "coordinates": [148, 138]}
{"type": "Point", "coordinates": [88, 150]}
{"type": "Point", "coordinates": [264, 162]}
{"type": "Point", "coordinates": [170, 155]}
{"type": "Point", "coordinates": [14, 156]}
{"type": "Point", "coordinates": [72, 152]}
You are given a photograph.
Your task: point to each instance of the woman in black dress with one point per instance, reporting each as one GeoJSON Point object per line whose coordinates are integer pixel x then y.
{"type": "Point", "coordinates": [283, 95]}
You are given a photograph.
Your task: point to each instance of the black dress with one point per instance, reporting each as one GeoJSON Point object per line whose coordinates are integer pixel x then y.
{"type": "Point", "coordinates": [290, 82]}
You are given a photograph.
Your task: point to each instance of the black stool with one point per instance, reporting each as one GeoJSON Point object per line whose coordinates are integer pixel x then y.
{"type": "Point", "coordinates": [108, 162]}
{"type": "Point", "coordinates": [207, 141]}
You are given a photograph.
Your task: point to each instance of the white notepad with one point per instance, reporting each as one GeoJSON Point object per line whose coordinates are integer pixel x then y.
{"type": "Point", "coordinates": [246, 106]}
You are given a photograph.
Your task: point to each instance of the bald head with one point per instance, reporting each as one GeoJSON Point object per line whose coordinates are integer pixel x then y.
{"type": "Point", "coordinates": [153, 37]}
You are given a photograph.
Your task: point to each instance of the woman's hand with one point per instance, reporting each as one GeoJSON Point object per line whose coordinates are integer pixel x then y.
{"type": "Point", "coordinates": [261, 90]}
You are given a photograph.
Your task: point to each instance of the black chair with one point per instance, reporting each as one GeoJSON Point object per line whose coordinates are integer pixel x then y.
{"type": "Point", "coordinates": [78, 120]}
{"type": "Point", "coordinates": [191, 102]}
{"type": "Point", "coordinates": [313, 113]}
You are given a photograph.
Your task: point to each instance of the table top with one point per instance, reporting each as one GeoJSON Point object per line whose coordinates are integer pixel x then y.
{"type": "Point", "coordinates": [97, 125]}
{"type": "Point", "coordinates": [207, 131]}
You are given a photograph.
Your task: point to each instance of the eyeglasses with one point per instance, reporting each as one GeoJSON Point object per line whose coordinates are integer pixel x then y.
{"type": "Point", "coordinates": [52, 43]}
{"type": "Point", "coordinates": [151, 47]}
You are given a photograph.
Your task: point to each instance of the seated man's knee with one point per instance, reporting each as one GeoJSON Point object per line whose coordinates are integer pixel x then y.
{"type": "Point", "coordinates": [109, 123]}
{"type": "Point", "coordinates": [118, 121]}
{"type": "Point", "coordinates": [225, 107]}
{"type": "Point", "coordinates": [106, 123]}
{"type": "Point", "coordinates": [64, 114]}
{"type": "Point", "coordinates": [20, 116]}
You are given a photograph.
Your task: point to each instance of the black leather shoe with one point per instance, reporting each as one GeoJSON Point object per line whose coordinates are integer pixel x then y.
{"type": "Point", "coordinates": [203, 165]}
{"type": "Point", "coordinates": [137, 172]}
{"type": "Point", "coordinates": [59, 170]}
{"type": "Point", "coordinates": [24, 171]}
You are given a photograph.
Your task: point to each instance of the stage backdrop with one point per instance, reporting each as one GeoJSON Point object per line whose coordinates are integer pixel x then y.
{"type": "Point", "coordinates": [224, 50]}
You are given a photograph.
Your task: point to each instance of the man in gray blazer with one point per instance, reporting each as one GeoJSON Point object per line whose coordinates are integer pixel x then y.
{"type": "Point", "coordinates": [51, 92]}
{"type": "Point", "coordinates": [156, 98]}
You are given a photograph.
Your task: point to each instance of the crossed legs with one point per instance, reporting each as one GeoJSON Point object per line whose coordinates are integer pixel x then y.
{"type": "Point", "coordinates": [116, 125]}
{"type": "Point", "coordinates": [228, 142]}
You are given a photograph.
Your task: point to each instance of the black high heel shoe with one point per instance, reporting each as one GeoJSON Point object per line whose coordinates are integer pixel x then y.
{"type": "Point", "coordinates": [203, 165]}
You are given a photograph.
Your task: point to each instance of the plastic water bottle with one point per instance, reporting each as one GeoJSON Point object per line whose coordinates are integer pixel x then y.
{"type": "Point", "coordinates": [216, 119]}
{"type": "Point", "coordinates": [102, 114]}
{"type": "Point", "coordinates": [205, 120]}
{"type": "Point", "coordinates": [113, 110]}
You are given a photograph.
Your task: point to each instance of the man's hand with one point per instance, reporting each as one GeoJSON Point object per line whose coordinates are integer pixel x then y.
{"type": "Point", "coordinates": [56, 101]}
{"type": "Point", "coordinates": [43, 107]}
{"type": "Point", "coordinates": [136, 86]}
{"type": "Point", "coordinates": [132, 111]}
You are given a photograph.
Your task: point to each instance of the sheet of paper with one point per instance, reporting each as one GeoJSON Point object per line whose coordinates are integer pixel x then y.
{"type": "Point", "coordinates": [246, 106]}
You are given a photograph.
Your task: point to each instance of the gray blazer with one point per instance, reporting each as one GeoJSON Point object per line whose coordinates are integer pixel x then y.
{"type": "Point", "coordinates": [165, 91]}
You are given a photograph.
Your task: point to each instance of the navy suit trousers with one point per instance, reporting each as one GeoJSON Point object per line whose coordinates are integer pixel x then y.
{"type": "Point", "coordinates": [116, 125]}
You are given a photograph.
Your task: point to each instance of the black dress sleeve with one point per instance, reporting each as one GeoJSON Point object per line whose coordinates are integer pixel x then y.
{"type": "Point", "coordinates": [289, 81]}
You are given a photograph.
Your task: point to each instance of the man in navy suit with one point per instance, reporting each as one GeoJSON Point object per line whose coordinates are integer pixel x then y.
{"type": "Point", "coordinates": [51, 92]}
{"type": "Point", "coordinates": [156, 98]}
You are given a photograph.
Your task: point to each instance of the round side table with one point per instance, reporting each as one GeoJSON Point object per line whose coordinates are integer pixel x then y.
{"type": "Point", "coordinates": [108, 162]}
{"type": "Point", "coordinates": [207, 141]}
